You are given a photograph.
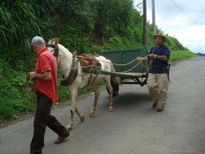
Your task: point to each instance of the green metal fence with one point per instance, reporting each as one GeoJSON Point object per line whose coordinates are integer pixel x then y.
{"type": "Point", "coordinates": [125, 56]}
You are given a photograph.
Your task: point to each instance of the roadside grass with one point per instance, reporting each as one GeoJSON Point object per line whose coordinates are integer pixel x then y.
{"type": "Point", "coordinates": [178, 55]}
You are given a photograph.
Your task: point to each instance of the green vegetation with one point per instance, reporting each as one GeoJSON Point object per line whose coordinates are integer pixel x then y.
{"type": "Point", "coordinates": [83, 25]}
{"type": "Point", "coordinates": [178, 55]}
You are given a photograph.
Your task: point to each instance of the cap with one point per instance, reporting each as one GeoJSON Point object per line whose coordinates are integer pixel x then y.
{"type": "Point", "coordinates": [37, 40]}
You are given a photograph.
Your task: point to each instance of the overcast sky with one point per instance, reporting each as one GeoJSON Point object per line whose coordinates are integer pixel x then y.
{"type": "Point", "coordinates": [183, 19]}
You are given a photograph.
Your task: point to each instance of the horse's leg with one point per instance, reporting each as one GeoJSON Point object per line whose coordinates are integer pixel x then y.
{"type": "Point", "coordinates": [81, 116]}
{"type": "Point", "coordinates": [97, 93]}
{"type": "Point", "coordinates": [108, 85]}
{"type": "Point", "coordinates": [74, 93]}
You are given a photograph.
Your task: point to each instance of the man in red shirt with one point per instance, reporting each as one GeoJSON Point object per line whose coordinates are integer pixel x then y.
{"type": "Point", "coordinates": [45, 77]}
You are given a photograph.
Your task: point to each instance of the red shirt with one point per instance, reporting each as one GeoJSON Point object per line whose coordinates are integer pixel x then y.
{"type": "Point", "coordinates": [47, 62]}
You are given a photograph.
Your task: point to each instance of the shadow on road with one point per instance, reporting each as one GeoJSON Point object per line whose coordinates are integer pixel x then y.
{"type": "Point", "coordinates": [129, 99]}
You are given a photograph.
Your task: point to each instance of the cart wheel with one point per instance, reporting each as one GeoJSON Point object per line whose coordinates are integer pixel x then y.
{"type": "Point", "coordinates": [115, 88]}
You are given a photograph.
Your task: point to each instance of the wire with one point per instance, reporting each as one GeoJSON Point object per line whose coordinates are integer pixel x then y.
{"type": "Point", "coordinates": [177, 6]}
{"type": "Point", "coordinates": [180, 9]}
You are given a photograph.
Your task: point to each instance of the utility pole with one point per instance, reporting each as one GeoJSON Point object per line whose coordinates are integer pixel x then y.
{"type": "Point", "coordinates": [153, 17]}
{"type": "Point", "coordinates": [144, 23]}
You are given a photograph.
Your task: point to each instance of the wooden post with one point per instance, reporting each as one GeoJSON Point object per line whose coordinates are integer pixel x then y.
{"type": "Point", "coordinates": [153, 17]}
{"type": "Point", "coordinates": [144, 23]}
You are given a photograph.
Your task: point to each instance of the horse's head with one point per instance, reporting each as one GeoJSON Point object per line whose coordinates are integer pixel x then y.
{"type": "Point", "coordinates": [52, 46]}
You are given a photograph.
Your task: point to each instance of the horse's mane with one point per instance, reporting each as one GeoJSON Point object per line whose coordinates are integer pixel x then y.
{"type": "Point", "coordinates": [64, 48]}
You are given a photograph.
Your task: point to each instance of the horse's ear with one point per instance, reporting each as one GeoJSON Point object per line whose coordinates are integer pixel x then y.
{"type": "Point", "coordinates": [56, 41]}
{"type": "Point", "coordinates": [75, 52]}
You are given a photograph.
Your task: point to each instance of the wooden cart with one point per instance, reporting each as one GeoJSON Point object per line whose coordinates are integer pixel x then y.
{"type": "Point", "coordinates": [127, 68]}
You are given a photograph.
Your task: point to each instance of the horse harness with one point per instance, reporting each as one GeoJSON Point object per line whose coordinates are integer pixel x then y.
{"type": "Point", "coordinates": [86, 61]}
{"type": "Point", "coordinates": [89, 61]}
{"type": "Point", "coordinates": [72, 75]}
{"type": "Point", "coordinates": [55, 48]}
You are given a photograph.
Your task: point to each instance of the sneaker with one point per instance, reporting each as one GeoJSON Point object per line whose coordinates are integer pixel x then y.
{"type": "Point", "coordinates": [154, 105]}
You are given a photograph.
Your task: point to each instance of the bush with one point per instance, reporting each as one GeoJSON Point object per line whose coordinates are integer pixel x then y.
{"type": "Point", "coordinates": [177, 55]}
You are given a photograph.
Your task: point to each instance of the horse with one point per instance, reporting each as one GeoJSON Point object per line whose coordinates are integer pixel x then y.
{"type": "Point", "coordinates": [75, 77]}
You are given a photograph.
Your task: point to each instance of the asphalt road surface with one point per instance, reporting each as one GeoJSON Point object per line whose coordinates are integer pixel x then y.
{"type": "Point", "coordinates": [134, 127]}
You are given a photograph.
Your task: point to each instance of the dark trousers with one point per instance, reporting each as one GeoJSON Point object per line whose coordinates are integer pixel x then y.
{"type": "Point", "coordinates": [43, 119]}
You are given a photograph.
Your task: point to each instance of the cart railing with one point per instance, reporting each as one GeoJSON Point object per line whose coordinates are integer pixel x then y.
{"type": "Point", "coordinates": [126, 56]}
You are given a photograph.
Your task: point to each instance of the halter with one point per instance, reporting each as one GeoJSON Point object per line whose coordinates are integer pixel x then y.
{"type": "Point", "coordinates": [55, 48]}
{"type": "Point", "coordinates": [73, 71]}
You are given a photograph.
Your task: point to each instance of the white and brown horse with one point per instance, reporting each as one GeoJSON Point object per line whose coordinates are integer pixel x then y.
{"type": "Point", "coordinates": [74, 76]}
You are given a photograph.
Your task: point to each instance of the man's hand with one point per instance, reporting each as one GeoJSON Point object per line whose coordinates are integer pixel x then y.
{"type": "Point", "coordinates": [151, 56]}
{"type": "Point", "coordinates": [142, 59]}
{"type": "Point", "coordinates": [46, 76]}
{"type": "Point", "coordinates": [139, 59]}
{"type": "Point", "coordinates": [159, 57]}
{"type": "Point", "coordinates": [32, 75]}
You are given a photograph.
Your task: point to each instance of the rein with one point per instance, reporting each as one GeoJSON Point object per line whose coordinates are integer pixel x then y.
{"type": "Point", "coordinates": [30, 92]}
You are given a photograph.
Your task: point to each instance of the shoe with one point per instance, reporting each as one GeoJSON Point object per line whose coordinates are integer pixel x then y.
{"type": "Point", "coordinates": [154, 105]}
{"type": "Point", "coordinates": [160, 109]}
{"type": "Point", "coordinates": [60, 139]}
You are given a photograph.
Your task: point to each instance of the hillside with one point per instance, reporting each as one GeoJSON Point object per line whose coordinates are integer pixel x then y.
{"type": "Point", "coordinates": [82, 25]}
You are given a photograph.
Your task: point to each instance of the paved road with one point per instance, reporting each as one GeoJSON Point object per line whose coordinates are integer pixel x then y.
{"type": "Point", "coordinates": [133, 128]}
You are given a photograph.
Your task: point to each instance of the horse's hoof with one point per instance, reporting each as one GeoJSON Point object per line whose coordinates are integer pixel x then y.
{"type": "Point", "coordinates": [92, 114]}
{"type": "Point", "coordinates": [110, 109]}
{"type": "Point", "coordinates": [82, 118]}
{"type": "Point", "coordinates": [69, 128]}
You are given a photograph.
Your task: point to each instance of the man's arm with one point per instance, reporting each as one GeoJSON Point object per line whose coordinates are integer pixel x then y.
{"type": "Point", "coordinates": [46, 76]}
{"type": "Point", "coordinates": [159, 57]}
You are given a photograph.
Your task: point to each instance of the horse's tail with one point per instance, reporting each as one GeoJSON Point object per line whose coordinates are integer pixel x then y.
{"type": "Point", "coordinates": [116, 80]}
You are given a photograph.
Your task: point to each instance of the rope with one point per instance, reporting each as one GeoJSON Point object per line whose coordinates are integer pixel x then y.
{"type": "Point", "coordinates": [144, 65]}
{"type": "Point", "coordinates": [132, 67]}
{"type": "Point", "coordinates": [30, 91]}
{"type": "Point", "coordinates": [107, 62]}
{"type": "Point", "coordinates": [125, 64]}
